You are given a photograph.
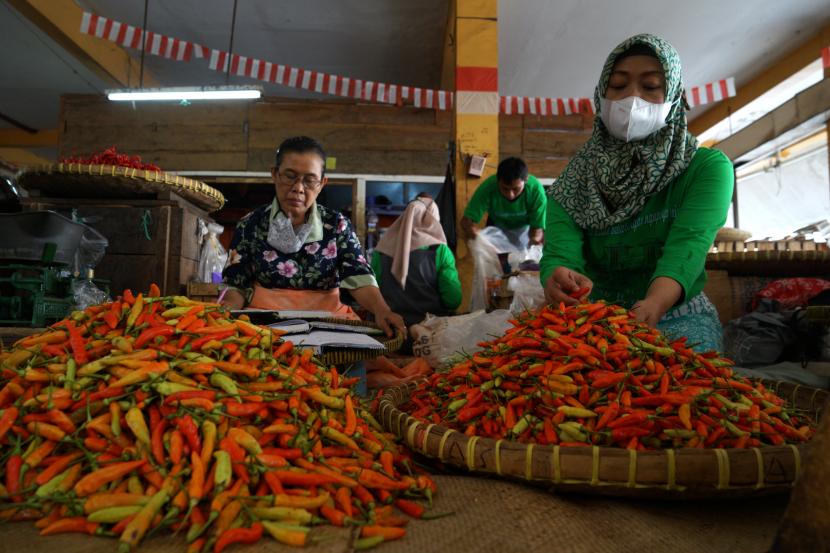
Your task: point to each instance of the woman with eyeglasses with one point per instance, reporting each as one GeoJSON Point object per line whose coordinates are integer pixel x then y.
{"type": "Point", "coordinates": [633, 215]}
{"type": "Point", "coordinates": [295, 254]}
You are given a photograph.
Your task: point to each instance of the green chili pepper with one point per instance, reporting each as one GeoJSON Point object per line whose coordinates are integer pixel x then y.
{"type": "Point", "coordinates": [169, 388]}
{"type": "Point", "coordinates": [734, 430]}
{"type": "Point", "coordinates": [680, 433]}
{"type": "Point", "coordinates": [112, 515]}
{"type": "Point", "coordinates": [223, 468]}
{"type": "Point", "coordinates": [521, 426]}
{"type": "Point", "coordinates": [574, 430]}
{"type": "Point", "coordinates": [48, 488]}
{"type": "Point", "coordinates": [457, 404]}
{"type": "Point", "coordinates": [578, 412]}
{"type": "Point", "coordinates": [69, 380]}
{"type": "Point", "coordinates": [226, 384]}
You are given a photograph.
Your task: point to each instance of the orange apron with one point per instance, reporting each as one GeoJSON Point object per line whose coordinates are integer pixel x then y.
{"type": "Point", "coordinates": [289, 299]}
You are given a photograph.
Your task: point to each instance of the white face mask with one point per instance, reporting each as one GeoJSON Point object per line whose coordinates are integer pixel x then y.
{"type": "Point", "coordinates": [633, 118]}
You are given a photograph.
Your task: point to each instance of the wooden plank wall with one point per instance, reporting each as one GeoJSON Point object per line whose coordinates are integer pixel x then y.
{"type": "Point", "coordinates": [241, 136]}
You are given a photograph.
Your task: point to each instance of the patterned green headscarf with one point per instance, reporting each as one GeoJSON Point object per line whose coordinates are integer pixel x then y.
{"type": "Point", "coordinates": [609, 180]}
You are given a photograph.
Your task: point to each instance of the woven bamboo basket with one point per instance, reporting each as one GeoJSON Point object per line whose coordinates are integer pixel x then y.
{"type": "Point", "coordinates": [665, 474]}
{"type": "Point", "coordinates": [76, 180]}
{"type": "Point", "coordinates": [345, 356]}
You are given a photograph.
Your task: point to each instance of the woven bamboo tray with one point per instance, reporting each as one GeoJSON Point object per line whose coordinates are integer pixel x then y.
{"type": "Point", "coordinates": [666, 474]}
{"type": "Point", "coordinates": [74, 180]}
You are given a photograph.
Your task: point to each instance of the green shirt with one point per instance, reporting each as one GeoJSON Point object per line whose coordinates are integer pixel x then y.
{"type": "Point", "coordinates": [669, 237]}
{"type": "Point", "coordinates": [527, 209]}
{"type": "Point", "coordinates": [449, 286]}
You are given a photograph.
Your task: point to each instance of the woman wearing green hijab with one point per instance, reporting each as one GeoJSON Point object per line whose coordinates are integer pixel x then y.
{"type": "Point", "coordinates": [634, 213]}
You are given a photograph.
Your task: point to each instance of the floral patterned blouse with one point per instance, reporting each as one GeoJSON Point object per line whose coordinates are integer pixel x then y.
{"type": "Point", "coordinates": [331, 257]}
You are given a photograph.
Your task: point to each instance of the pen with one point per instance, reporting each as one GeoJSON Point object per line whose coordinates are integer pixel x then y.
{"type": "Point", "coordinates": [222, 294]}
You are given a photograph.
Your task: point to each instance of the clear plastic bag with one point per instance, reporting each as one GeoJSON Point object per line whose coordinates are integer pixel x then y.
{"type": "Point", "coordinates": [91, 250]}
{"type": "Point", "coordinates": [528, 293]}
{"type": "Point", "coordinates": [212, 257]}
{"type": "Point", "coordinates": [442, 340]}
{"type": "Point", "coordinates": [486, 266]}
{"type": "Point", "coordinates": [86, 294]}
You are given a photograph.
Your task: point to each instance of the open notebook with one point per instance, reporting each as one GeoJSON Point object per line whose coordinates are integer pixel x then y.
{"type": "Point", "coordinates": [318, 340]}
{"type": "Point", "coordinates": [298, 326]}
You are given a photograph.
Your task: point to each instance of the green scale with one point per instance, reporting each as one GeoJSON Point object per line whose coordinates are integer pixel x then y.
{"type": "Point", "coordinates": [36, 284]}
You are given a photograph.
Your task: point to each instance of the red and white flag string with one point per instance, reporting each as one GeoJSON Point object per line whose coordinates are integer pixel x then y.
{"type": "Point", "coordinates": [710, 92]}
{"type": "Point", "coordinates": [336, 85]}
{"type": "Point", "coordinates": [825, 57]}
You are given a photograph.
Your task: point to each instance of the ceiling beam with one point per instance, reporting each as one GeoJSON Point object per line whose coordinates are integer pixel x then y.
{"type": "Point", "coordinates": [781, 69]}
{"type": "Point", "coordinates": [803, 108]}
{"type": "Point", "coordinates": [61, 20]}
{"type": "Point", "coordinates": [20, 138]}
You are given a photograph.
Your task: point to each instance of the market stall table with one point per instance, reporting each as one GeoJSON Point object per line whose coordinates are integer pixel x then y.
{"type": "Point", "coordinates": [501, 516]}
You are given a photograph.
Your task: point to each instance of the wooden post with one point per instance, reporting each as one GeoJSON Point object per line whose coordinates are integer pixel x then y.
{"type": "Point", "coordinates": [827, 76]}
{"type": "Point", "coordinates": [476, 122]}
{"type": "Point", "coordinates": [359, 209]}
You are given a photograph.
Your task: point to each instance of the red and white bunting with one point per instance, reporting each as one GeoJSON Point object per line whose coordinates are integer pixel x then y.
{"type": "Point", "coordinates": [825, 57]}
{"type": "Point", "coordinates": [710, 92]}
{"type": "Point", "coordinates": [370, 91]}
{"type": "Point", "coordinates": [324, 83]}
{"type": "Point", "coordinates": [131, 37]}
{"type": "Point", "coordinates": [523, 105]}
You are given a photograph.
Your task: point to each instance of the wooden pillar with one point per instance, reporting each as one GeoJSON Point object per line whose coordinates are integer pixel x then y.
{"type": "Point", "coordinates": [826, 62]}
{"type": "Point", "coordinates": [476, 122]}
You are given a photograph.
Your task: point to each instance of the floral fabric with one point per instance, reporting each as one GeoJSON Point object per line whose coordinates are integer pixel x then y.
{"type": "Point", "coordinates": [334, 261]}
{"type": "Point", "coordinates": [698, 321]}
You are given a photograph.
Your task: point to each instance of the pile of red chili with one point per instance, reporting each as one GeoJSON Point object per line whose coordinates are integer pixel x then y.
{"type": "Point", "coordinates": [590, 374]}
{"type": "Point", "coordinates": [153, 413]}
{"type": "Point", "coordinates": [111, 157]}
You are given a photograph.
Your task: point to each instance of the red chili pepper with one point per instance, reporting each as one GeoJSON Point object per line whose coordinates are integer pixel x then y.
{"type": "Point", "coordinates": [7, 420]}
{"type": "Point", "coordinates": [190, 432]}
{"type": "Point", "coordinates": [13, 467]}
{"type": "Point", "coordinates": [76, 342]}
{"type": "Point", "coordinates": [151, 334]}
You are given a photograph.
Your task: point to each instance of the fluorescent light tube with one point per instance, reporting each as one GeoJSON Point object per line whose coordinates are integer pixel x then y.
{"type": "Point", "coordinates": [185, 93]}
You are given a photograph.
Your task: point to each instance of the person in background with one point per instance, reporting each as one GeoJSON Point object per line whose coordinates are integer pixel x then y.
{"type": "Point", "coordinates": [414, 267]}
{"type": "Point", "coordinates": [295, 254]}
{"type": "Point", "coordinates": [633, 215]}
{"type": "Point", "coordinates": [513, 200]}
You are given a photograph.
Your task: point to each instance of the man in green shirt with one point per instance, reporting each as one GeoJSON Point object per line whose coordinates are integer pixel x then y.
{"type": "Point", "coordinates": [513, 200]}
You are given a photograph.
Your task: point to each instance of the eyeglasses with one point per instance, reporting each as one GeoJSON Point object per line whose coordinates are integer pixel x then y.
{"type": "Point", "coordinates": [289, 178]}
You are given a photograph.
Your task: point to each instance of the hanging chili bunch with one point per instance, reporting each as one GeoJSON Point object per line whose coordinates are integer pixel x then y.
{"type": "Point", "coordinates": [156, 413]}
{"type": "Point", "coordinates": [591, 374]}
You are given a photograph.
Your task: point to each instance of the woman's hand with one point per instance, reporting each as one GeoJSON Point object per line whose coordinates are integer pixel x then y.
{"type": "Point", "coordinates": [564, 282]}
{"type": "Point", "coordinates": [662, 295]}
{"type": "Point", "coordinates": [648, 311]}
{"type": "Point", "coordinates": [389, 321]}
{"type": "Point", "coordinates": [233, 300]}
{"type": "Point", "coordinates": [535, 237]}
{"type": "Point", "coordinates": [370, 299]}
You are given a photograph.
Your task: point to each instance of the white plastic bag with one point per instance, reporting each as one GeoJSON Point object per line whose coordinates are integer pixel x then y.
{"type": "Point", "coordinates": [528, 293]}
{"type": "Point", "coordinates": [505, 241]}
{"type": "Point", "coordinates": [486, 265]}
{"type": "Point", "coordinates": [441, 340]}
{"type": "Point", "coordinates": [212, 257]}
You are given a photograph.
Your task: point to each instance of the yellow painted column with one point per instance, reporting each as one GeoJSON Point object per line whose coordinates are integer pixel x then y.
{"type": "Point", "coordinates": [476, 105]}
